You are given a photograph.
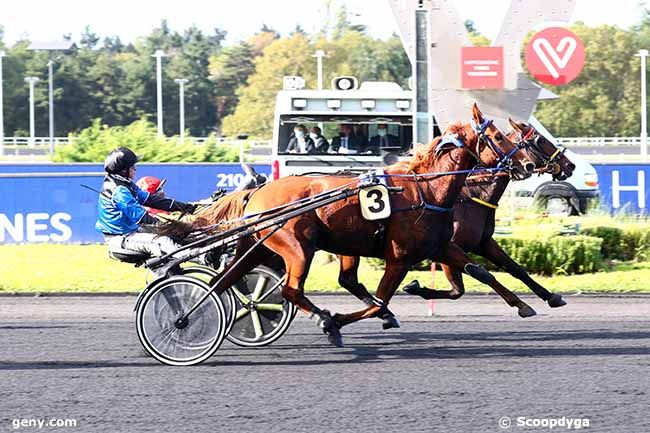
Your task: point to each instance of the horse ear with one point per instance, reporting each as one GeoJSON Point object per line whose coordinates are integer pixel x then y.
{"type": "Point", "coordinates": [516, 126]}
{"type": "Point", "coordinates": [476, 114]}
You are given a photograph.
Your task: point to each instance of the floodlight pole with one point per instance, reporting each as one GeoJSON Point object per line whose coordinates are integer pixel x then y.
{"type": "Point", "coordinates": [2, 120]}
{"type": "Point", "coordinates": [31, 81]}
{"type": "Point", "coordinates": [50, 65]}
{"type": "Point", "coordinates": [644, 113]}
{"type": "Point", "coordinates": [159, 54]}
{"type": "Point", "coordinates": [319, 54]}
{"type": "Point", "coordinates": [181, 89]}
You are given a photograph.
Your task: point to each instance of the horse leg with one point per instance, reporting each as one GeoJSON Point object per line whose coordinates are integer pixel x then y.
{"type": "Point", "coordinates": [393, 276]}
{"type": "Point", "coordinates": [455, 257]}
{"type": "Point", "coordinates": [493, 252]}
{"type": "Point", "coordinates": [348, 279]}
{"type": "Point", "coordinates": [455, 278]}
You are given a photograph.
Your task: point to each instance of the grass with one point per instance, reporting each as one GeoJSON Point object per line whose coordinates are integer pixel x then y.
{"type": "Point", "coordinates": [87, 268]}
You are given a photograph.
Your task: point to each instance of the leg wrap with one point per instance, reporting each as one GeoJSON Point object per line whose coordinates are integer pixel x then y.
{"type": "Point", "coordinates": [478, 272]}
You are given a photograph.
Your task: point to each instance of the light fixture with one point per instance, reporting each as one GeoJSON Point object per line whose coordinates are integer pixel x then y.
{"type": "Point", "coordinates": [334, 103]}
{"type": "Point", "coordinates": [368, 104]}
{"type": "Point", "coordinates": [403, 104]}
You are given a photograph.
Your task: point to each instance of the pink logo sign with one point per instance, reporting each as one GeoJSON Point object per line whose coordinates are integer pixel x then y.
{"type": "Point", "coordinates": [555, 56]}
{"type": "Point", "coordinates": [482, 67]}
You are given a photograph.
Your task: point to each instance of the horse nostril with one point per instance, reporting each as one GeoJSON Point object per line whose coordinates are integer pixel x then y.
{"type": "Point", "coordinates": [571, 166]}
{"type": "Point", "coordinates": [529, 167]}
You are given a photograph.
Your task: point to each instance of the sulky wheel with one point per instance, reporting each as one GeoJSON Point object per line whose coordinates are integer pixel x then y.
{"type": "Point", "coordinates": [206, 274]}
{"type": "Point", "coordinates": [262, 315]}
{"type": "Point", "coordinates": [168, 337]}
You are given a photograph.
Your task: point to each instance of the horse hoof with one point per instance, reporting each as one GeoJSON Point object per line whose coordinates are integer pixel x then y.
{"type": "Point", "coordinates": [556, 301]}
{"type": "Point", "coordinates": [526, 311]}
{"type": "Point", "coordinates": [389, 322]}
{"type": "Point", "coordinates": [413, 288]}
{"type": "Point", "coordinates": [334, 337]}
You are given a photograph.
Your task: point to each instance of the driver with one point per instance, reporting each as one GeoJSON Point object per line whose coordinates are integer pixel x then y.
{"type": "Point", "coordinates": [122, 217]}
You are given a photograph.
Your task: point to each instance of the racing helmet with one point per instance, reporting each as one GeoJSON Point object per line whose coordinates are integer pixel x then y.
{"type": "Point", "coordinates": [150, 184]}
{"type": "Point", "coordinates": [119, 160]}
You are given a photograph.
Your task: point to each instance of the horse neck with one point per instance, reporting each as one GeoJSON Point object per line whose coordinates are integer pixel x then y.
{"type": "Point", "coordinates": [490, 189]}
{"type": "Point", "coordinates": [444, 190]}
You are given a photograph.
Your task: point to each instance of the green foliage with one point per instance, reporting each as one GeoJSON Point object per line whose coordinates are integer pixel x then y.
{"type": "Point", "coordinates": [628, 243]}
{"type": "Point", "coordinates": [557, 255]}
{"type": "Point", "coordinates": [94, 143]}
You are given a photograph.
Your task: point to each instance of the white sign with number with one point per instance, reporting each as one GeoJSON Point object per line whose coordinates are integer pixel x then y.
{"type": "Point", "coordinates": [374, 202]}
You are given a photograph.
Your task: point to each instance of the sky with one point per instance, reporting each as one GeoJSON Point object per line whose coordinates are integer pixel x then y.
{"type": "Point", "coordinates": [48, 20]}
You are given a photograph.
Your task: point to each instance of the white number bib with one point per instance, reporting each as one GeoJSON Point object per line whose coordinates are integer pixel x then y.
{"type": "Point", "coordinates": [374, 202]}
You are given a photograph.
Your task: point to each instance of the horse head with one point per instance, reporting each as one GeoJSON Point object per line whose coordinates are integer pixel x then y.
{"type": "Point", "coordinates": [542, 151]}
{"type": "Point", "coordinates": [495, 149]}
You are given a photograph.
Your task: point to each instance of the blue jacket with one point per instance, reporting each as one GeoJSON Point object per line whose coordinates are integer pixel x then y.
{"type": "Point", "coordinates": [119, 206]}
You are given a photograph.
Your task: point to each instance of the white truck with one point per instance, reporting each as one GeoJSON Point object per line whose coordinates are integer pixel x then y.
{"type": "Point", "coordinates": [371, 104]}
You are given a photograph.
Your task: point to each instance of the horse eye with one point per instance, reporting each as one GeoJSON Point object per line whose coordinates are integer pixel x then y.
{"type": "Point", "coordinates": [498, 137]}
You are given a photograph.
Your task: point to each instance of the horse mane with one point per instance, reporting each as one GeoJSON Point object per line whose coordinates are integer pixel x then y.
{"type": "Point", "coordinates": [424, 156]}
{"type": "Point", "coordinates": [226, 208]}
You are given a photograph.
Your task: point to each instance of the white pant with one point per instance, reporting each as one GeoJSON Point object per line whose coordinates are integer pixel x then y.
{"type": "Point", "coordinates": [148, 243]}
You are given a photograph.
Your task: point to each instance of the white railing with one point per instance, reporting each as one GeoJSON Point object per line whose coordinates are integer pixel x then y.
{"type": "Point", "coordinates": [598, 141]}
{"type": "Point", "coordinates": [565, 141]}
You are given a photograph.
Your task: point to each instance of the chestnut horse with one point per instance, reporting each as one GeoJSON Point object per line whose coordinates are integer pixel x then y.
{"type": "Point", "coordinates": [474, 222]}
{"type": "Point", "coordinates": [420, 226]}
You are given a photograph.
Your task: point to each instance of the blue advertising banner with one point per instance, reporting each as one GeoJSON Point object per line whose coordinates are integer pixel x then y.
{"type": "Point", "coordinates": [46, 202]}
{"type": "Point", "coordinates": [624, 187]}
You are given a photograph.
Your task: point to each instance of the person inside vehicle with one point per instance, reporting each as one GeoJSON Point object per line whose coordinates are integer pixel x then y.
{"type": "Point", "coordinates": [382, 139]}
{"type": "Point", "coordinates": [347, 141]}
{"type": "Point", "coordinates": [320, 142]}
{"type": "Point", "coordinates": [122, 217]}
{"type": "Point", "coordinates": [300, 141]}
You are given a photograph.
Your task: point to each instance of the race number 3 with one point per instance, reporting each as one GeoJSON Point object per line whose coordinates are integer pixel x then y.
{"type": "Point", "coordinates": [374, 202]}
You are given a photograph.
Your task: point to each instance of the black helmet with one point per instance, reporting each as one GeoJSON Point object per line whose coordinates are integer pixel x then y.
{"type": "Point", "coordinates": [119, 160]}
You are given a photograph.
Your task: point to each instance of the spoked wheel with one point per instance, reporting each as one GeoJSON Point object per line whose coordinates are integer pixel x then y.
{"type": "Point", "coordinates": [262, 315]}
{"type": "Point", "coordinates": [163, 332]}
{"type": "Point", "coordinates": [206, 274]}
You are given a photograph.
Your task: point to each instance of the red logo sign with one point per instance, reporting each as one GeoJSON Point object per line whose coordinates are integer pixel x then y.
{"type": "Point", "coordinates": [555, 56]}
{"type": "Point", "coordinates": [482, 67]}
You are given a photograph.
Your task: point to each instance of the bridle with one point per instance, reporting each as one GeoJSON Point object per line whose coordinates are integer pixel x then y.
{"type": "Point", "coordinates": [530, 141]}
{"type": "Point", "coordinates": [504, 160]}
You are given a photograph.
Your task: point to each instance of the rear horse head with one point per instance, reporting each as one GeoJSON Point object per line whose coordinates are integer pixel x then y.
{"type": "Point", "coordinates": [542, 151]}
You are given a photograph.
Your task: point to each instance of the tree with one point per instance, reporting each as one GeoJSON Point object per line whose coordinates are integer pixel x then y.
{"type": "Point", "coordinates": [602, 100]}
{"type": "Point", "coordinates": [254, 114]}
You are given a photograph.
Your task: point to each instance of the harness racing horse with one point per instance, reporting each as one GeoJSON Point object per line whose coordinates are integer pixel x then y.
{"type": "Point", "coordinates": [474, 223]}
{"type": "Point", "coordinates": [474, 219]}
{"type": "Point", "coordinates": [437, 174]}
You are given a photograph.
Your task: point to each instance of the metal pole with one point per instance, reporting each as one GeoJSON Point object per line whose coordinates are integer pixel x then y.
{"type": "Point", "coordinates": [644, 113]}
{"type": "Point", "coordinates": [51, 98]}
{"type": "Point", "coordinates": [319, 54]}
{"type": "Point", "coordinates": [2, 120]}
{"type": "Point", "coordinates": [159, 54]}
{"type": "Point", "coordinates": [181, 82]}
{"type": "Point", "coordinates": [31, 81]}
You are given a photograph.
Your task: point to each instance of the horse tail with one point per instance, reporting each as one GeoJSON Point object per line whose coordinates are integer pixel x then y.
{"type": "Point", "coordinates": [225, 209]}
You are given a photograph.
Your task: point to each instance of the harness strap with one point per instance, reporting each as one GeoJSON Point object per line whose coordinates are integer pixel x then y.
{"type": "Point", "coordinates": [552, 157]}
{"type": "Point", "coordinates": [484, 203]}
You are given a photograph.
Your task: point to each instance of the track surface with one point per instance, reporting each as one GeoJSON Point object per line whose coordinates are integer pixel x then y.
{"type": "Point", "coordinates": [459, 371]}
